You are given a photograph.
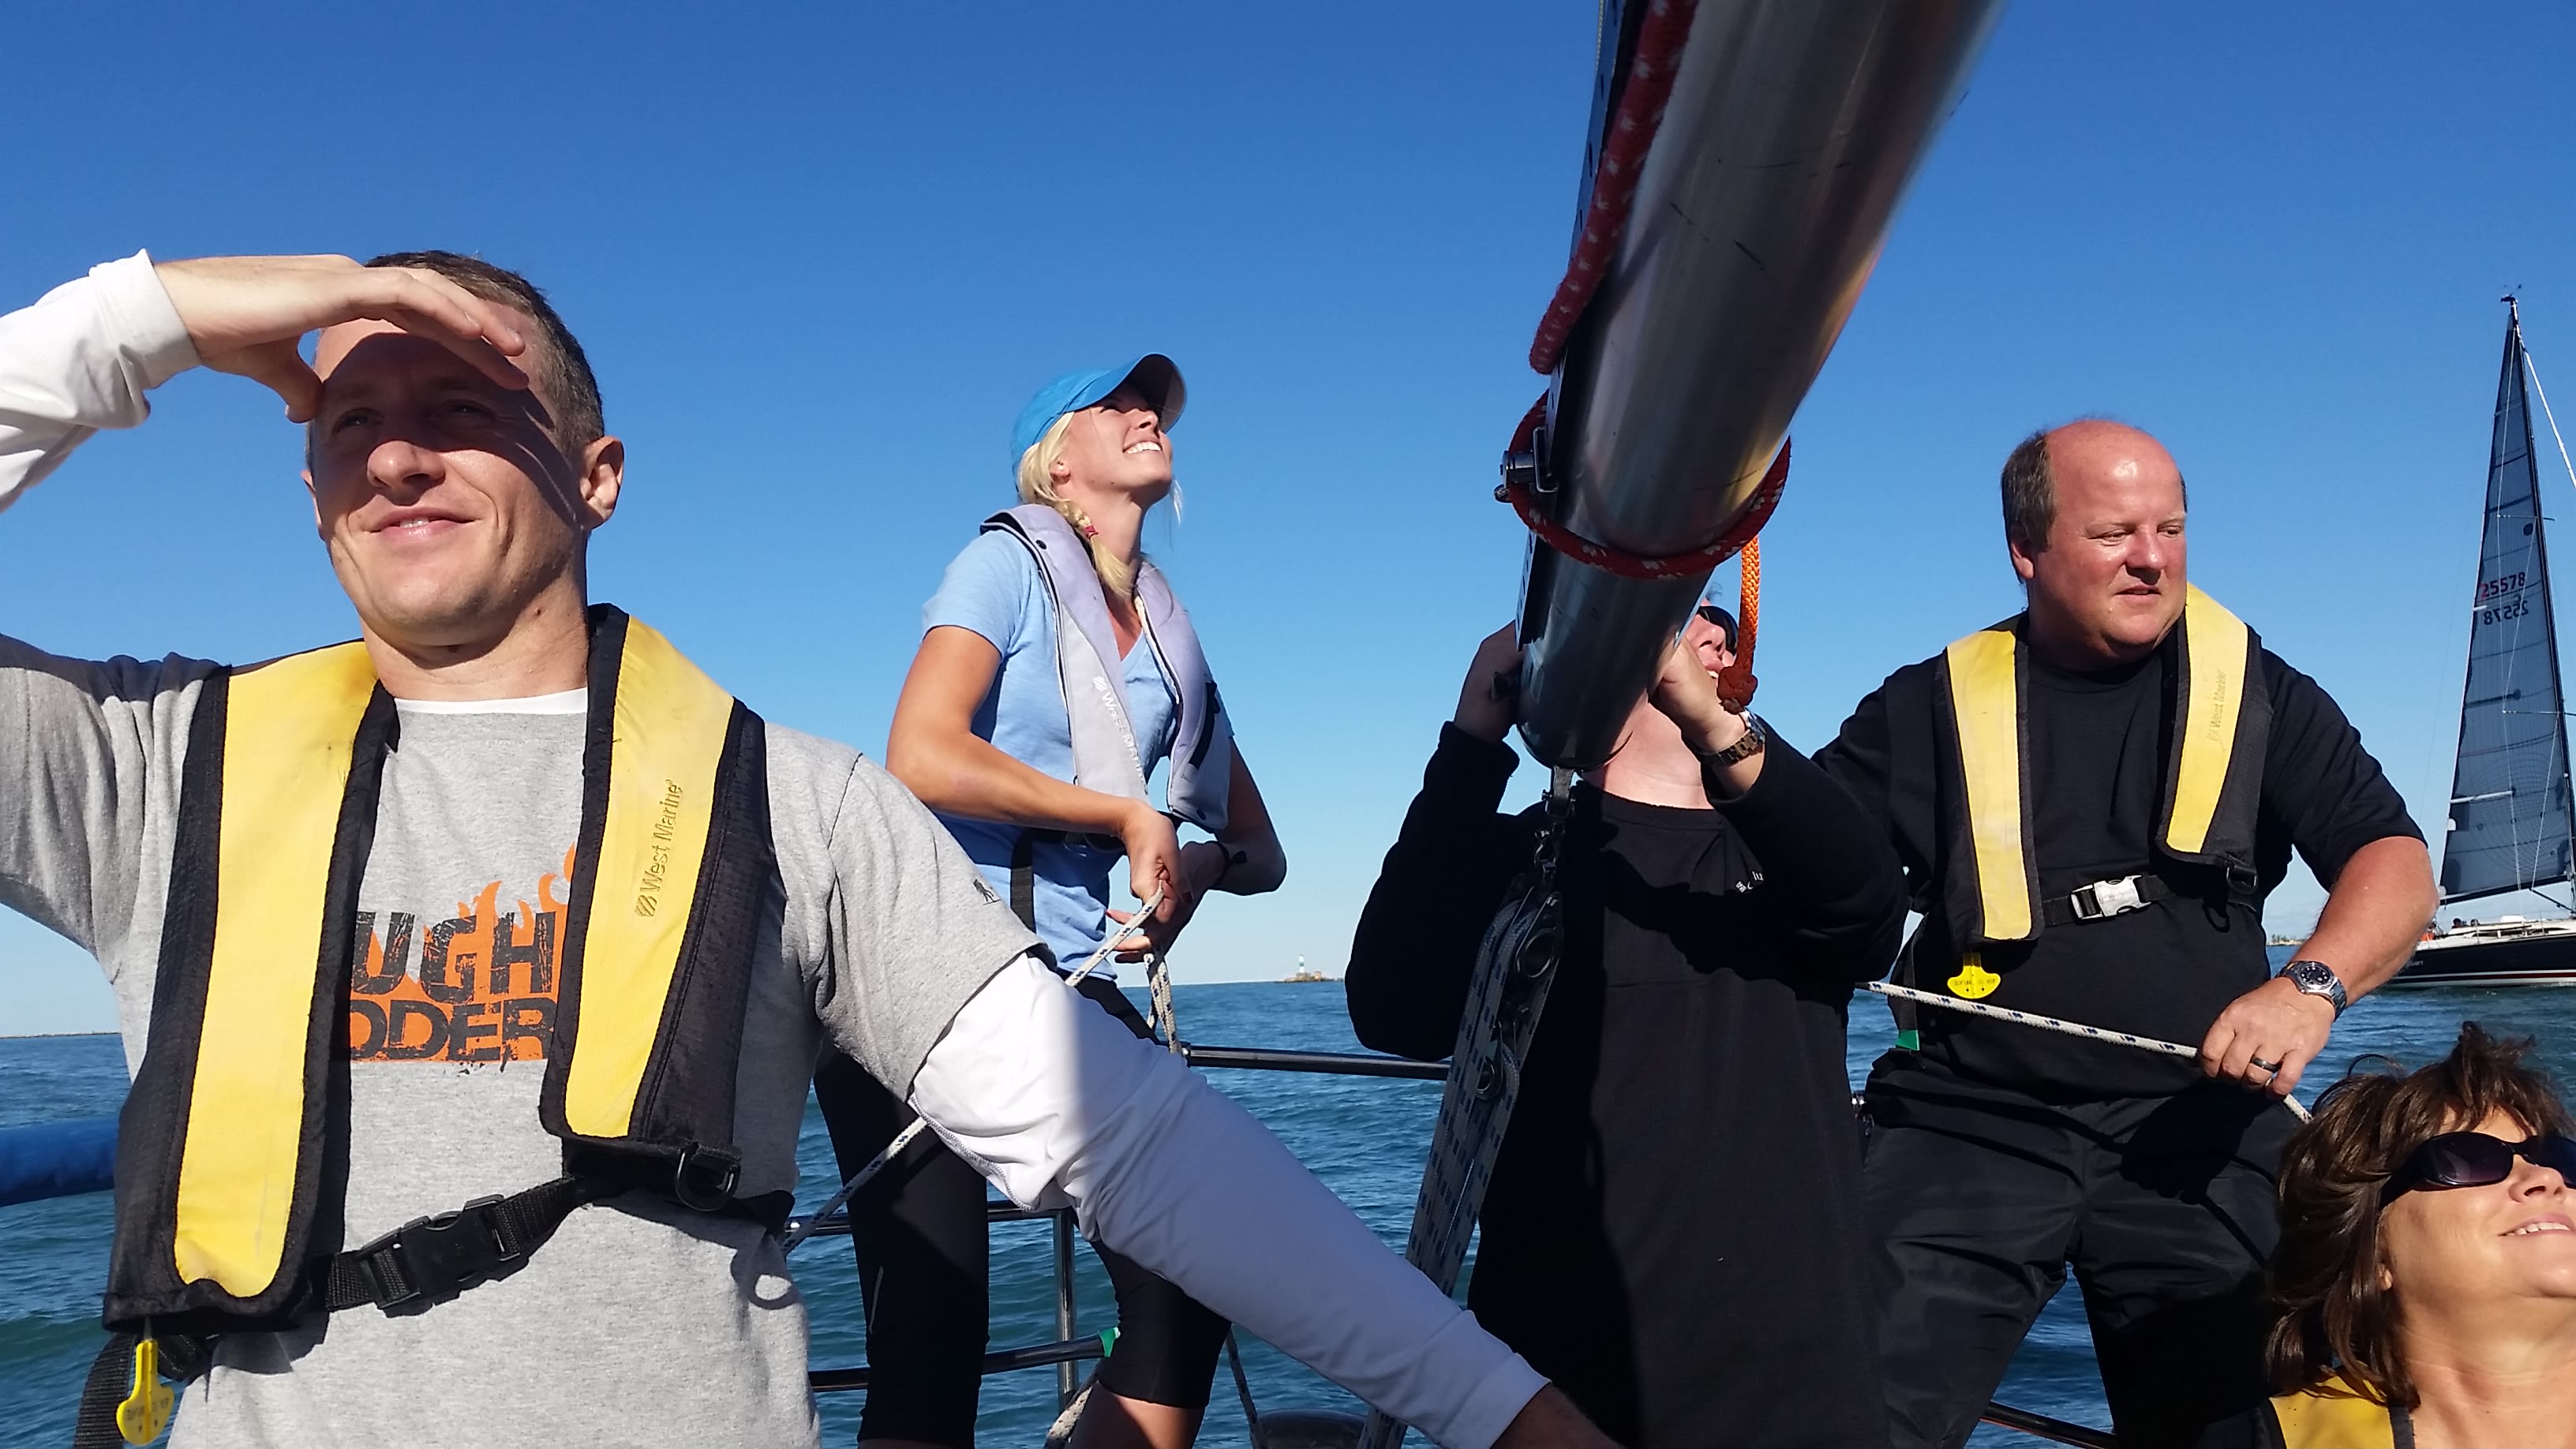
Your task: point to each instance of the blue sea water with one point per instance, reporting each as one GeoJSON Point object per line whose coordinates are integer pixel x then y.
{"type": "Point", "coordinates": [1365, 1138]}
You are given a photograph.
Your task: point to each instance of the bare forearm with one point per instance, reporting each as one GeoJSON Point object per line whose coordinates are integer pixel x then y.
{"type": "Point", "coordinates": [1248, 858]}
{"type": "Point", "coordinates": [1715, 734]}
{"type": "Point", "coordinates": [1245, 864]}
{"type": "Point", "coordinates": [2374, 914]}
{"type": "Point", "coordinates": [965, 775]}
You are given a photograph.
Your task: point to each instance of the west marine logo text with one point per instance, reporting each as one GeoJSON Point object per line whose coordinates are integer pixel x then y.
{"type": "Point", "coordinates": [666, 827]}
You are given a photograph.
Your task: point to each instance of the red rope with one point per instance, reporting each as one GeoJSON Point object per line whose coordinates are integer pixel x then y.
{"type": "Point", "coordinates": [1660, 37]}
{"type": "Point", "coordinates": [1627, 565]}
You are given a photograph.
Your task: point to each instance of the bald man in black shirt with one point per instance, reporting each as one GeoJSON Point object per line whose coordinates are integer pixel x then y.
{"type": "Point", "coordinates": [2091, 801]}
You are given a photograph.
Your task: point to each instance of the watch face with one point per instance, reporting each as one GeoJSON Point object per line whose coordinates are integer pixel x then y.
{"type": "Point", "coordinates": [2316, 978]}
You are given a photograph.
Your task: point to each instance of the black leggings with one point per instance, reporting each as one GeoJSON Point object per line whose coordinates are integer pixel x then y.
{"type": "Point", "coordinates": [925, 1273]}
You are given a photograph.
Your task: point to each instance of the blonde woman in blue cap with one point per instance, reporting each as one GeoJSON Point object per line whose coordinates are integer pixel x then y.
{"type": "Point", "coordinates": [1056, 673]}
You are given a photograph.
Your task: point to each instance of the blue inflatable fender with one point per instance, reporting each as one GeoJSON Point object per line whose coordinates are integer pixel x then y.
{"type": "Point", "coordinates": [57, 1159]}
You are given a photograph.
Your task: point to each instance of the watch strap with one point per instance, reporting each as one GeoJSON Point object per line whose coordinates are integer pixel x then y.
{"type": "Point", "coordinates": [1755, 737]}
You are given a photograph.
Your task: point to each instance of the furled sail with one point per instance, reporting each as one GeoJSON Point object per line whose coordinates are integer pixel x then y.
{"type": "Point", "coordinates": [2509, 796]}
{"type": "Point", "coordinates": [1756, 214]}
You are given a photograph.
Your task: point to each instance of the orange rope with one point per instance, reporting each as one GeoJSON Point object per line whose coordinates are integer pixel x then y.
{"type": "Point", "coordinates": [1736, 683]}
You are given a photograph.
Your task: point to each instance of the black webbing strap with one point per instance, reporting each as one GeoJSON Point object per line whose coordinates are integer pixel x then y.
{"type": "Point", "coordinates": [109, 1380]}
{"type": "Point", "coordinates": [1908, 1027]}
{"type": "Point", "coordinates": [1024, 854]}
{"type": "Point", "coordinates": [1024, 879]}
{"type": "Point", "coordinates": [431, 1260]}
{"type": "Point", "coordinates": [425, 1261]}
{"type": "Point", "coordinates": [2103, 899]}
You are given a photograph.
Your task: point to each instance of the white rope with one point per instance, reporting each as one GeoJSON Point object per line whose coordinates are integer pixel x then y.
{"type": "Point", "coordinates": [1110, 942]}
{"type": "Point", "coordinates": [858, 1179]}
{"type": "Point", "coordinates": [1060, 1433]}
{"type": "Point", "coordinates": [2545, 412]}
{"type": "Point", "coordinates": [1158, 988]}
{"type": "Point", "coordinates": [2050, 1023]}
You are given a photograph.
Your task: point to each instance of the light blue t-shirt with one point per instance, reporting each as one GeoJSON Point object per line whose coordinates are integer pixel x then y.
{"type": "Point", "coordinates": [994, 589]}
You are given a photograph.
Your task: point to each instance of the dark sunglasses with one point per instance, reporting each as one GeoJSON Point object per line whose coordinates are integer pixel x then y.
{"type": "Point", "coordinates": [2475, 1159]}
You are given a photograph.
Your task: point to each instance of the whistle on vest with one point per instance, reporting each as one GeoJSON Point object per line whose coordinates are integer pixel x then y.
{"type": "Point", "coordinates": [1974, 980]}
{"type": "Point", "coordinates": [146, 1409]}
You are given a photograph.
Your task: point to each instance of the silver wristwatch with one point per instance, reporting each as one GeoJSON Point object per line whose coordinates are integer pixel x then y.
{"type": "Point", "coordinates": [1745, 747]}
{"type": "Point", "coordinates": [2316, 978]}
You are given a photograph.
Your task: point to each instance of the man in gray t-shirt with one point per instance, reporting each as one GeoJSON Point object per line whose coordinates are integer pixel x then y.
{"type": "Point", "coordinates": [459, 464]}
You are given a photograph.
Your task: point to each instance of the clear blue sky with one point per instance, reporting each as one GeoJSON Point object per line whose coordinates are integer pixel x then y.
{"type": "Point", "coordinates": [821, 256]}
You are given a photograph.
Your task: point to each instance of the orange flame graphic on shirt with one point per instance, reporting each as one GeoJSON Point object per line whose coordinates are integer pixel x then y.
{"type": "Point", "coordinates": [478, 985]}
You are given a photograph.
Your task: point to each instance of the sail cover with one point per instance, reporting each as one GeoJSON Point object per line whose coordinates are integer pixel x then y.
{"type": "Point", "coordinates": [2509, 797]}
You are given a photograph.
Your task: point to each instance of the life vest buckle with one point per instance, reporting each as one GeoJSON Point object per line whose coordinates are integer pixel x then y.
{"type": "Point", "coordinates": [703, 1178]}
{"type": "Point", "coordinates": [2105, 898]}
{"type": "Point", "coordinates": [433, 1259]}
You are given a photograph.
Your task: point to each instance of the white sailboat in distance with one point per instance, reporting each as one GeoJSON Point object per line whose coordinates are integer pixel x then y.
{"type": "Point", "coordinates": [2512, 822]}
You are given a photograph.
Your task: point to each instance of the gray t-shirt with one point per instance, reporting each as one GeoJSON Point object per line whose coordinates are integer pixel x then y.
{"type": "Point", "coordinates": [689, 1325]}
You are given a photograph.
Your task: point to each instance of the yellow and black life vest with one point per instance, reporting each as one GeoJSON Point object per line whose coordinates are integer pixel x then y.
{"type": "Point", "coordinates": [222, 1149]}
{"type": "Point", "coordinates": [2322, 1417]}
{"type": "Point", "coordinates": [2221, 720]}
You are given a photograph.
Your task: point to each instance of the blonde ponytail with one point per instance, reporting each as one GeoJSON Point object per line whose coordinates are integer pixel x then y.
{"type": "Point", "coordinates": [1037, 485]}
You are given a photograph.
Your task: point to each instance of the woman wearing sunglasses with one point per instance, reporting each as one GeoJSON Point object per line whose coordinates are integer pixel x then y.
{"type": "Point", "coordinates": [2426, 1273]}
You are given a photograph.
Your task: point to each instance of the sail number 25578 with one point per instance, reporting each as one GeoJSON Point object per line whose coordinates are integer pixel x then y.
{"type": "Point", "coordinates": [2489, 611]}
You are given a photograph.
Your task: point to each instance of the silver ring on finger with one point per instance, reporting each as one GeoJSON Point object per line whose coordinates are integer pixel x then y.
{"type": "Point", "coordinates": [2273, 1067]}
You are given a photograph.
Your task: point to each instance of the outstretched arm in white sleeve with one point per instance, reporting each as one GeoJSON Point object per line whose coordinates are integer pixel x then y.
{"type": "Point", "coordinates": [1055, 1102]}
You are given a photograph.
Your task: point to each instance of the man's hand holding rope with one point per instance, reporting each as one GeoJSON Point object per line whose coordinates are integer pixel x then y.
{"type": "Point", "coordinates": [2266, 1037]}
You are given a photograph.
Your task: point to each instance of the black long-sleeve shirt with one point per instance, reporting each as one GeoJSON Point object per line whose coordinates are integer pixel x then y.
{"type": "Point", "coordinates": [1674, 1230]}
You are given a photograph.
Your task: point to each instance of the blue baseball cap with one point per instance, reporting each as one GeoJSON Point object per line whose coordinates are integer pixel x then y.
{"type": "Point", "coordinates": [1153, 374]}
